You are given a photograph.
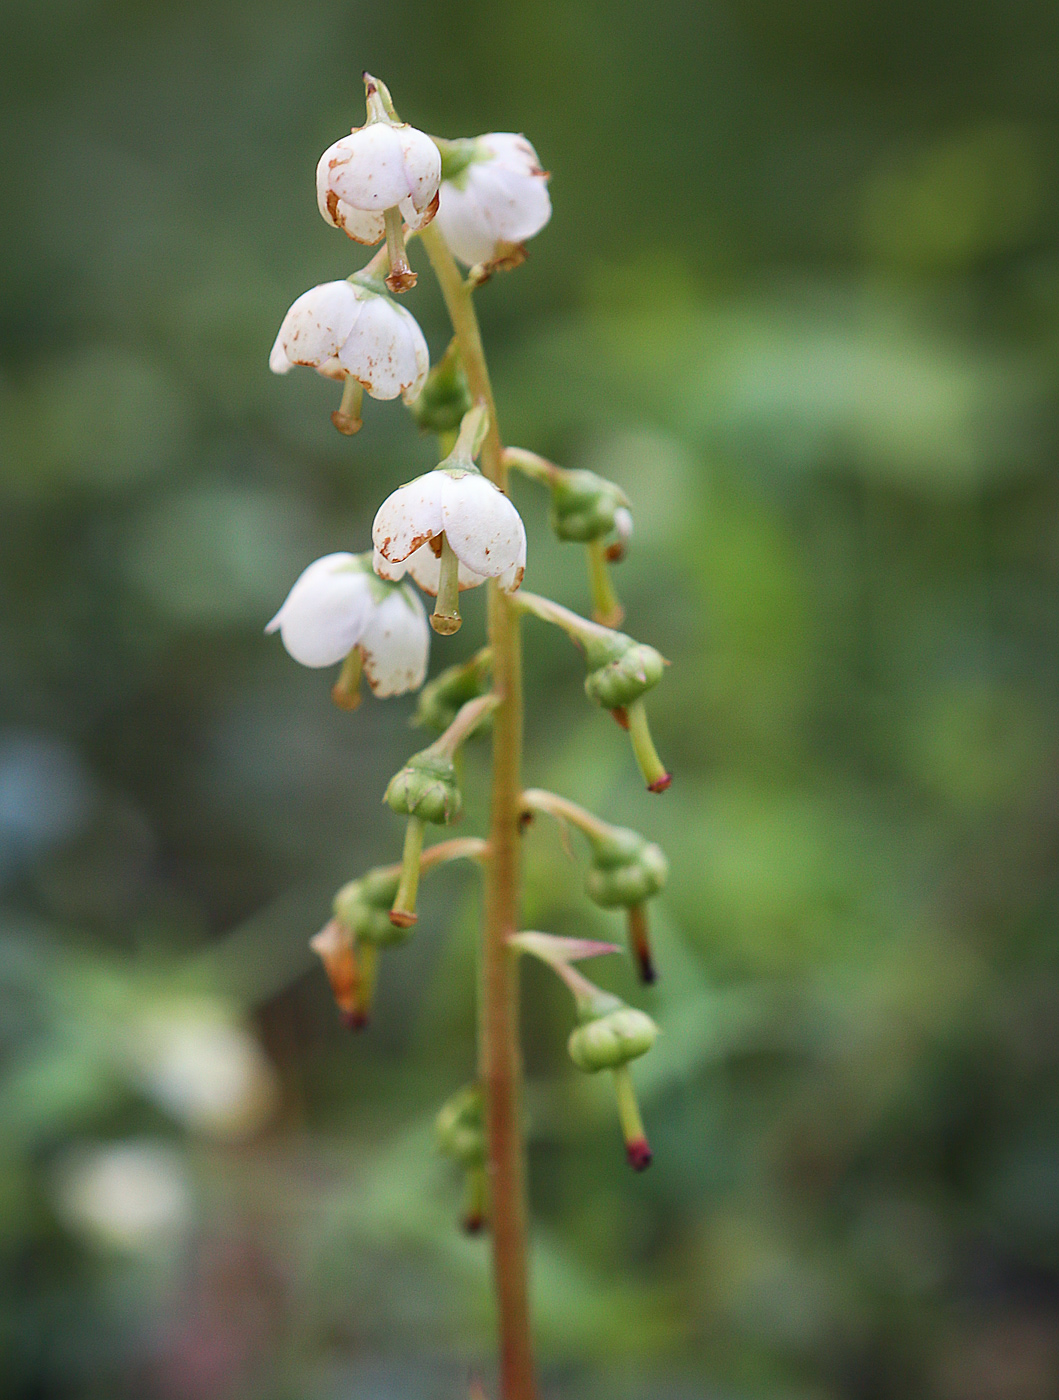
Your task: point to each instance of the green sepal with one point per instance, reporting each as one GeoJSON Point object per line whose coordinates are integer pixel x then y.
{"type": "Point", "coordinates": [583, 505]}
{"type": "Point", "coordinates": [426, 787]}
{"type": "Point", "coordinates": [460, 1127]}
{"type": "Point", "coordinates": [457, 156]}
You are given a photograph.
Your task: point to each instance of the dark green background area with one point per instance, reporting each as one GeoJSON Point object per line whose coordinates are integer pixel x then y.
{"type": "Point", "coordinates": [800, 297]}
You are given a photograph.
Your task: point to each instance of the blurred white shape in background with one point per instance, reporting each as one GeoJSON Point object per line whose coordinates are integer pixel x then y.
{"type": "Point", "coordinates": [131, 1196]}
{"type": "Point", "coordinates": [205, 1069]}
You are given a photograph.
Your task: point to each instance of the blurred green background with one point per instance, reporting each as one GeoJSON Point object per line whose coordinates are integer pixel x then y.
{"type": "Point", "coordinates": [800, 296]}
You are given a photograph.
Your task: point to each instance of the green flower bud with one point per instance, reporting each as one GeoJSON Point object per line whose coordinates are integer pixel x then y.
{"type": "Point", "coordinates": [584, 506]}
{"type": "Point", "coordinates": [460, 1127]}
{"type": "Point", "coordinates": [440, 700]}
{"type": "Point", "coordinates": [363, 906]}
{"type": "Point", "coordinates": [426, 787]}
{"type": "Point", "coordinates": [612, 1040]}
{"type": "Point", "coordinates": [625, 671]}
{"type": "Point", "coordinates": [626, 870]}
{"type": "Point", "coordinates": [445, 397]}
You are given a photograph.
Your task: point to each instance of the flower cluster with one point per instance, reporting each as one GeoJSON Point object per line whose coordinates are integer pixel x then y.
{"type": "Point", "coordinates": [472, 202]}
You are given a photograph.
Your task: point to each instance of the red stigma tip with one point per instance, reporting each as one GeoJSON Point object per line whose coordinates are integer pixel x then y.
{"type": "Point", "coordinates": [648, 974]}
{"type": "Point", "coordinates": [660, 784]}
{"type": "Point", "coordinates": [474, 1223]}
{"type": "Point", "coordinates": [401, 918]}
{"type": "Point", "coordinates": [639, 1154]}
{"type": "Point", "coordinates": [354, 1020]}
{"type": "Point", "coordinates": [620, 716]}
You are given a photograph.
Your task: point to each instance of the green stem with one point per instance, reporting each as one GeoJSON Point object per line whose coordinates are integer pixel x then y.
{"type": "Point", "coordinates": [501, 1058]}
{"type": "Point", "coordinates": [403, 913]}
{"type": "Point", "coordinates": [651, 766]}
{"type": "Point", "coordinates": [562, 809]}
{"type": "Point", "coordinates": [606, 607]}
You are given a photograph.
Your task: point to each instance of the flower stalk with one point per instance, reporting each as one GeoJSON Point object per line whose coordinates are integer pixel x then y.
{"type": "Point", "coordinates": [500, 1054]}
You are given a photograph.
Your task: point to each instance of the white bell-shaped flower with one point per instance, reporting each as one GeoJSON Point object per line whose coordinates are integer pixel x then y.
{"type": "Point", "coordinates": [339, 609]}
{"type": "Point", "coordinates": [495, 201]}
{"type": "Point", "coordinates": [344, 329]}
{"type": "Point", "coordinates": [375, 168]}
{"type": "Point", "coordinates": [379, 174]}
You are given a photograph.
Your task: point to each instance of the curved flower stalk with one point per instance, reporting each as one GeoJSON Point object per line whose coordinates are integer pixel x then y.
{"type": "Point", "coordinates": [440, 699]}
{"type": "Point", "coordinates": [494, 195]}
{"type": "Point", "coordinates": [609, 1035]}
{"type": "Point", "coordinates": [381, 174]}
{"type": "Point", "coordinates": [451, 529]}
{"type": "Point", "coordinates": [620, 672]}
{"type": "Point", "coordinates": [427, 790]}
{"type": "Point", "coordinates": [351, 331]}
{"type": "Point", "coordinates": [626, 869]}
{"type": "Point", "coordinates": [585, 508]}
{"type": "Point", "coordinates": [338, 610]}
{"type": "Point", "coordinates": [348, 945]}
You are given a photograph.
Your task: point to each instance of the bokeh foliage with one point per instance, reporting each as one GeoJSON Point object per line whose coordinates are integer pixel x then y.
{"type": "Point", "coordinates": [800, 297]}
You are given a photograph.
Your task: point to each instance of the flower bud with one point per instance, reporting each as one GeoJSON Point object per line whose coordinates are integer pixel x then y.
{"type": "Point", "coordinates": [612, 1040]}
{"type": "Point", "coordinates": [620, 670]}
{"type": "Point", "coordinates": [336, 947]}
{"type": "Point", "coordinates": [460, 1127]}
{"type": "Point", "coordinates": [586, 506]}
{"type": "Point", "coordinates": [442, 697]}
{"type": "Point", "coordinates": [626, 870]}
{"type": "Point", "coordinates": [426, 788]}
{"type": "Point", "coordinates": [363, 906]}
{"type": "Point", "coordinates": [445, 397]}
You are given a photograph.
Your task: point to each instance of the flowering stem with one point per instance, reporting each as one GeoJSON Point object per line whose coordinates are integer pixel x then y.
{"type": "Point", "coordinates": [576, 627]}
{"type": "Point", "coordinates": [651, 766]}
{"type": "Point", "coordinates": [501, 1059]}
{"type": "Point", "coordinates": [606, 607]}
{"type": "Point", "coordinates": [636, 1146]}
{"type": "Point", "coordinates": [468, 717]}
{"type": "Point", "coordinates": [403, 913]}
{"type": "Point", "coordinates": [531, 464]}
{"type": "Point", "coordinates": [446, 615]}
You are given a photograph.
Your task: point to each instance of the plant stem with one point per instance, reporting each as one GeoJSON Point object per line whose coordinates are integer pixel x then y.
{"type": "Point", "coordinates": [501, 1057]}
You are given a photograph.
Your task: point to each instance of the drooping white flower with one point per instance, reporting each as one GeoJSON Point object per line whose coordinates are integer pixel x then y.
{"type": "Point", "coordinates": [346, 329]}
{"type": "Point", "coordinates": [497, 200]}
{"type": "Point", "coordinates": [337, 605]}
{"type": "Point", "coordinates": [482, 527]}
{"type": "Point", "coordinates": [385, 165]}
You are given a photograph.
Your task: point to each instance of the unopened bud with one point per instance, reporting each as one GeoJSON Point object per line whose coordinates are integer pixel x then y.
{"type": "Point", "coordinates": [621, 670]}
{"type": "Point", "coordinates": [426, 788]}
{"type": "Point", "coordinates": [335, 945]}
{"type": "Point", "coordinates": [363, 906]}
{"type": "Point", "coordinates": [440, 700]}
{"type": "Point", "coordinates": [612, 1040]}
{"type": "Point", "coordinates": [626, 869]}
{"type": "Point", "coordinates": [460, 1127]}
{"type": "Point", "coordinates": [445, 396]}
{"type": "Point", "coordinates": [585, 506]}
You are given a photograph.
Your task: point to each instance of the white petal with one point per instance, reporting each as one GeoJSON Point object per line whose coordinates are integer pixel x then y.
{"type": "Point", "coordinates": [482, 526]}
{"type": "Point", "coordinates": [422, 166]}
{"type": "Point", "coordinates": [386, 350]}
{"type": "Point", "coordinates": [316, 326]}
{"type": "Point", "coordinates": [326, 611]}
{"type": "Point", "coordinates": [367, 168]}
{"type": "Point", "coordinates": [396, 644]}
{"type": "Point", "coordinates": [464, 225]}
{"type": "Point", "coordinates": [511, 579]}
{"type": "Point", "coordinates": [409, 517]}
{"type": "Point", "coordinates": [501, 198]}
{"type": "Point", "coordinates": [393, 571]}
{"type": "Point", "coordinates": [425, 567]}
{"type": "Point", "coordinates": [362, 225]}
{"type": "Point", "coordinates": [277, 356]}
